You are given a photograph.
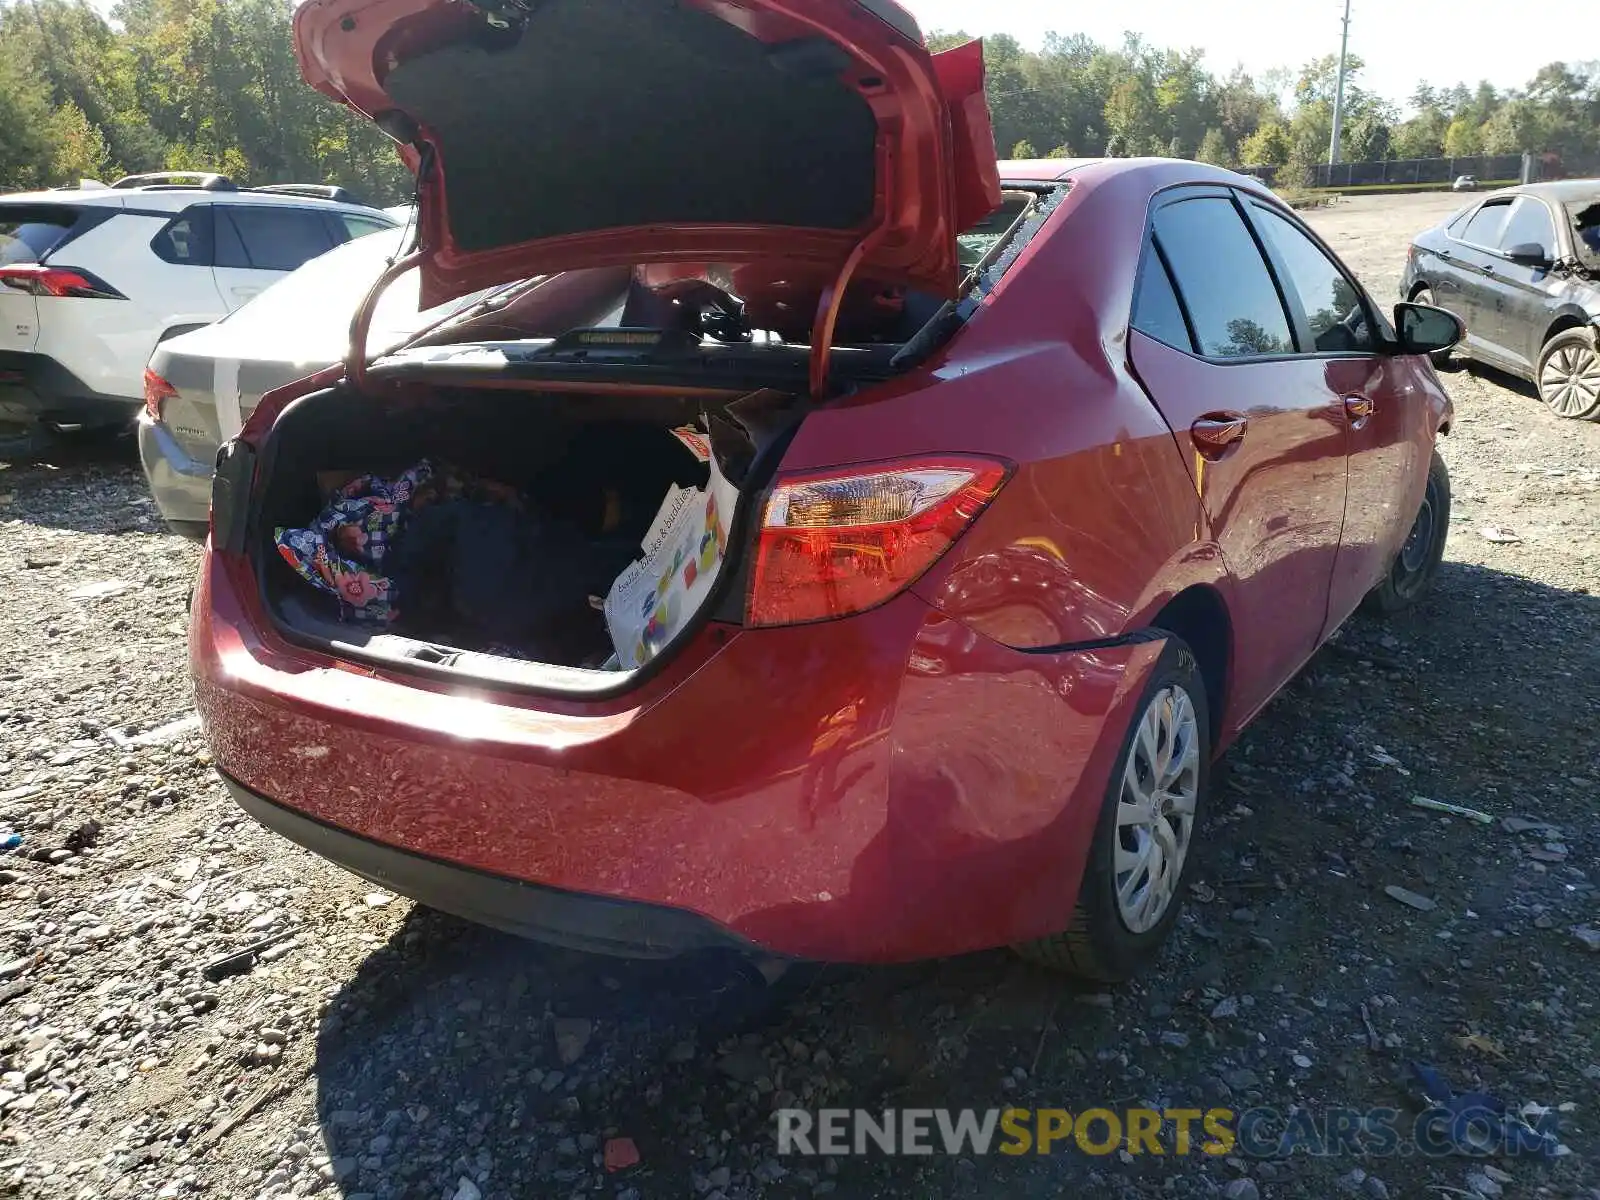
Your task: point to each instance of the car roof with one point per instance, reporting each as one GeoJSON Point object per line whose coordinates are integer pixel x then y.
{"type": "Point", "coordinates": [1560, 191]}
{"type": "Point", "coordinates": [1041, 169]}
{"type": "Point", "coordinates": [175, 198]}
{"type": "Point", "coordinates": [1156, 174]}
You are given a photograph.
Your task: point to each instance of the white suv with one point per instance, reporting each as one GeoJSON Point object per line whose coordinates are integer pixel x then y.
{"type": "Point", "coordinates": [92, 278]}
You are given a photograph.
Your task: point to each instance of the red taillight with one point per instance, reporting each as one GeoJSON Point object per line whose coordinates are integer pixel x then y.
{"type": "Point", "coordinates": [39, 280]}
{"type": "Point", "coordinates": [836, 543]}
{"type": "Point", "coordinates": [156, 391]}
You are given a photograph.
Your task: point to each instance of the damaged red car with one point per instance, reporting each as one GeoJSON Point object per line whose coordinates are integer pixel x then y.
{"type": "Point", "coordinates": [878, 580]}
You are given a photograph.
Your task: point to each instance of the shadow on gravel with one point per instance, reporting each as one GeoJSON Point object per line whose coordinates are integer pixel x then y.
{"type": "Point", "coordinates": [459, 1053]}
{"type": "Point", "coordinates": [85, 485]}
{"type": "Point", "coordinates": [1495, 376]}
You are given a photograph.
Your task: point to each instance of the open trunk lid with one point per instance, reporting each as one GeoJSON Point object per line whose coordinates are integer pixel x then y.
{"type": "Point", "coordinates": [551, 135]}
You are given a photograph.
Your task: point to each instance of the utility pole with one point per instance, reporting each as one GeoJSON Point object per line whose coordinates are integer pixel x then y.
{"type": "Point", "coordinates": [1338, 93]}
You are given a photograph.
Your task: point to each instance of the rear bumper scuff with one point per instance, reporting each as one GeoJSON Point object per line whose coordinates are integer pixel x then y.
{"type": "Point", "coordinates": [596, 924]}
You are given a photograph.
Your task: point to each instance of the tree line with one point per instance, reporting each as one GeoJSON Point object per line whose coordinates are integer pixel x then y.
{"type": "Point", "coordinates": [1075, 98]}
{"type": "Point", "coordinates": [213, 85]}
{"type": "Point", "coordinates": [174, 85]}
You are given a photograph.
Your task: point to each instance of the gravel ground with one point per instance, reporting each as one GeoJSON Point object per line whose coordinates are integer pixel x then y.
{"type": "Point", "coordinates": [375, 1050]}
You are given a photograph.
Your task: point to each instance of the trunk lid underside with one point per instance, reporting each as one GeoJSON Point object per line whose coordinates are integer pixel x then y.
{"type": "Point", "coordinates": [571, 134]}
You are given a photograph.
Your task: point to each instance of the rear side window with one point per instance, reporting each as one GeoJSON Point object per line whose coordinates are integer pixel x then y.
{"type": "Point", "coordinates": [1458, 223]}
{"type": "Point", "coordinates": [1486, 224]}
{"type": "Point", "coordinates": [1332, 304]}
{"type": "Point", "coordinates": [1530, 224]}
{"type": "Point", "coordinates": [1156, 312]}
{"type": "Point", "coordinates": [29, 232]}
{"type": "Point", "coordinates": [186, 240]}
{"type": "Point", "coordinates": [356, 227]}
{"type": "Point", "coordinates": [270, 238]}
{"type": "Point", "coordinates": [1219, 272]}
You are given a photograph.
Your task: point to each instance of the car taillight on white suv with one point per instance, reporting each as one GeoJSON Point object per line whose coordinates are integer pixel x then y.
{"type": "Point", "coordinates": [840, 542]}
{"type": "Point", "coordinates": [38, 279]}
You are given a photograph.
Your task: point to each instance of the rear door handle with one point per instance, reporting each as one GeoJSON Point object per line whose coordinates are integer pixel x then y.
{"type": "Point", "coordinates": [1217, 434]}
{"type": "Point", "coordinates": [1358, 409]}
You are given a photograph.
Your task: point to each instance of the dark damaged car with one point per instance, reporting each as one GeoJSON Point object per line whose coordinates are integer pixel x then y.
{"type": "Point", "coordinates": [1522, 268]}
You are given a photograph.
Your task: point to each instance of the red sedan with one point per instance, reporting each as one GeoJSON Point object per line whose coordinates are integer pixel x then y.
{"type": "Point", "coordinates": [1023, 491]}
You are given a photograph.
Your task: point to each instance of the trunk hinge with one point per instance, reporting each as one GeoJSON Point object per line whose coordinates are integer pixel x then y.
{"type": "Point", "coordinates": [355, 362]}
{"type": "Point", "coordinates": [828, 313]}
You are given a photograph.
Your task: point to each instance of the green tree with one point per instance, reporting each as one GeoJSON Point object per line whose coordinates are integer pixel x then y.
{"type": "Point", "coordinates": [1131, 113]}
{"type": "Point", "coordinates": [79, 148]}
{"type": "Point", "coordinates": [1462, 139]}
{"type": "Point", "coordinates": [24, 125]}
{"type": "Point", "coordinates": [1422, 136]}
{"type": "Point", "coordinates": [1214, 148]}
{"type": "Point", "coordinates": [1367, 138]}
{"type": "Point", "coordinates": [1268, 146]}
{"type": "Point", "coordinates": [1024, 149]}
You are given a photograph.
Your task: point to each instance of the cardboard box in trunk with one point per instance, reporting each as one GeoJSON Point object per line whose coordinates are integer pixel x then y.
{"type": "Point", "coordinates": [683, 554]}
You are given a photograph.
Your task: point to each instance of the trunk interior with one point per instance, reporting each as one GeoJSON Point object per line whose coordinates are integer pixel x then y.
{"type": "Point", "coordinates": [497, 563]}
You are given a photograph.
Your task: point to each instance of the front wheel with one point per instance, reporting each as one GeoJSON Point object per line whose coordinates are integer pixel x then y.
{"type": "Point", "coordinates": [1569, 375]}
{"type": "Point", "coordinates": [1139, 865]}
{"type": "Point", "coordinates": [1417, 563]}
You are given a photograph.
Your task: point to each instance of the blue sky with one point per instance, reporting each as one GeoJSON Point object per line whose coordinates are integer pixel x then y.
{"type": "Point", "coordinates": [1402, 41]}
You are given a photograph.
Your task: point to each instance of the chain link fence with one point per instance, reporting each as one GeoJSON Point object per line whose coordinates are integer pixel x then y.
{"type": "Point", "coordinates": [1403, 172]}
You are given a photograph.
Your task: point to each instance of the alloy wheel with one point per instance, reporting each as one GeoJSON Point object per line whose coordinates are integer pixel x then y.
{"type": "Point", "coordinates": [1569, 380]}
{"type": "Point", "coordinates": [1156, 809]}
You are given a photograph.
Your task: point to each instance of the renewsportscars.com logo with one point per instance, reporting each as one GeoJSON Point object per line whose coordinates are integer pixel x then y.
{"type": "Point", "coordinates": [1253, 1132]}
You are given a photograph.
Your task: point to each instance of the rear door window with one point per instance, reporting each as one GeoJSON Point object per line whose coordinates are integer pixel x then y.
{"type": "Point", "coordinates": [1223, 280]}
{"type": "Point", "coordinates": [270, 237]}
{"type": "Point", "coordinates": [1484, 228]}
{"type": "Point", "coordinates": [29, 232]}
{"type": "Point", "coordinates": [1530, 224]}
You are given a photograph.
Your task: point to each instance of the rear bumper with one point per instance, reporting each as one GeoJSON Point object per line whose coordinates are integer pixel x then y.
{"type": "Point", "coordinates": [180, 484]}
{"type": "Point", "coordinates": [882, 788]}
{"type": "Point", "coordinates": [36, 389]}
{"type": "Point", "coordinates": [578, 922]}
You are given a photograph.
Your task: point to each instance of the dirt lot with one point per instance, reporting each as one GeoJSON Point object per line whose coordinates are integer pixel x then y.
{"type": "Point", "coordinates": [383, 1052]}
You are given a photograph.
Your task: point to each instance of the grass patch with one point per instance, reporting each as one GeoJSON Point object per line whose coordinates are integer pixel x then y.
{"type": "Point", "coordinates": [1396, 189]}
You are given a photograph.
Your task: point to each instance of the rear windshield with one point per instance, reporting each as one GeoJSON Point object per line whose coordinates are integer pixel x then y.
{"type": "Point", "coordinates": [312, 307]}
{"type": "Point", "coordinates": [975, 243]}
{"type": "Point", "coordinates": [28, 233]}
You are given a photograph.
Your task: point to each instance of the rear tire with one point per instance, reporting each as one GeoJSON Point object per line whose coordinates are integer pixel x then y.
{"type": "Point", "coordinates": [1568, 375]}
{"type": "Point", "coordinates": [1413, 569]}
{"type": "Point", "coordinates": [1442, 359]}
{"type": "Point", "coordinates": [1153, 808]}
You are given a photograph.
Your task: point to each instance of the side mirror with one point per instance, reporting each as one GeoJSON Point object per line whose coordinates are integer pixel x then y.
{"type": "Point", "coordinates": [1529, 254]}
{"type": "Point", "coordinates": [1423, 329]}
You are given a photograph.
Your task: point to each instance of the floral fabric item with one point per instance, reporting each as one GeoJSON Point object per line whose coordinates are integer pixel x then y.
{"type": "Point", "coordinates": [343, 552]}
